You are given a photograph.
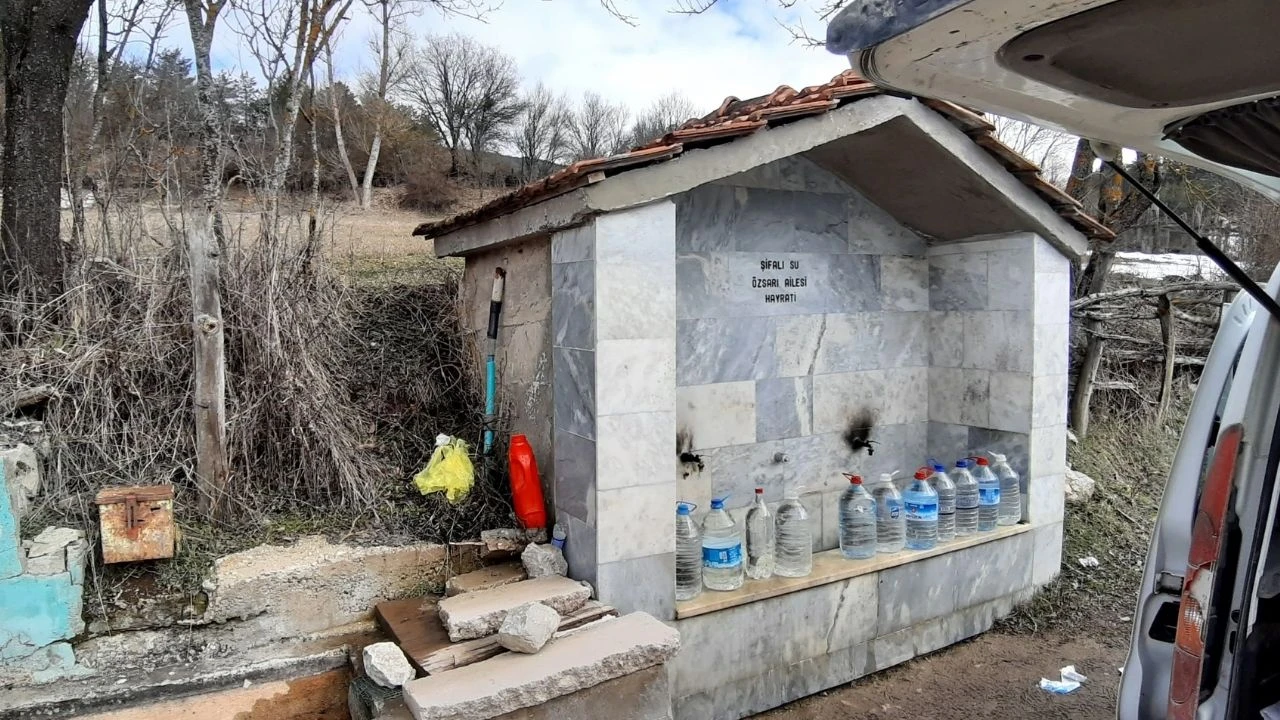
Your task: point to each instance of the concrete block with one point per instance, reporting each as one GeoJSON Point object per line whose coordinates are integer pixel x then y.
{"type": "Point", "coordinates": [386, 665]}
{"type": "Point", "coordinates": [480, 613]}
{"type": "Point", "coordinates": [647, 693]}
{"type": "Point", "coordinates": [314, 585]}
{"type": "Point", "coordinates": [527, 628]}
{"type": "Point", "coordinates": [639, 521]}
{"type": "Point", "coordinates": [958, 281]}
{"type": "Point", "coordinates": [512, 681]}
{"type": "Point", "coordinates": [988, 571]}
{"type": "Point", "coordinates": [717, 415]}
{"type": "Point", "coordinates": [49, 664]}
{"type": "Point", "coordinates": [53, 541]}
{"type": "Point", "coordinates": [36, 611]}
{"type": "Point", "coordinates": [485, 578]}
{"type": "Point", "coordinates": [48, 564]}
{"type": "Point", "coordinates": [77, 560]}
{"type": "Point", "coordinates": [913, 593]}
{"type": "Point", "coordinates": [10, 549]}
{"type": "Point", "coordinates": [635, 376]}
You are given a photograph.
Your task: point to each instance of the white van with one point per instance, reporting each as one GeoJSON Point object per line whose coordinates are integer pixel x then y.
{"type": "Point", "coordinates": [1196, 81]}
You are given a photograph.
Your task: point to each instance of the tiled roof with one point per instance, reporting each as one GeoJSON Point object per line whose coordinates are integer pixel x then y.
{"type": "Point", "coordinates": [736, 118]}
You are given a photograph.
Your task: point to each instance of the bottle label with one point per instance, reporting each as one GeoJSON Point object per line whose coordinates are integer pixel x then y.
{"type": "Point", "coordinates": [890, 509]}
{"type": "Point", "coordinates": [967, 503]}
{"type": "Point", "coordinates": [947, 507]}
{"type": "Point", "coordinates": [725, 558]}
{"type": "Point", "coordinates": [921, 511]}
{"type": "Point", "coordinates": [989, 496]}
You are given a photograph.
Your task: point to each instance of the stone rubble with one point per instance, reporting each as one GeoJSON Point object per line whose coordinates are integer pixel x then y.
{"type": "Point", "coordinates": [512, 681]}
{"type": "Point", "coordinates": [1078, 487]}
{"type": "Point", "coordinates": [22, 475]}
{"type": "Point", "coordinates": [480, 614]}
{"type": "Point", "coordinates": [527, 628]}
{"type": "Point", "coordinates": [507, 543]}
{"type": "Point", "coordinates": [486, 577]}
{"type": "Point", "coordinates": [543, 560]}
{"type": "Point", "coordinates": [53, 540]}
{"type": "Point", "coordinates": [386, 665]}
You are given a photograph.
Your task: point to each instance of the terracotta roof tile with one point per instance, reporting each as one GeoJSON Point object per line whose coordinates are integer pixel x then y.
{"type": "Point", "coordinates": [736, 118]}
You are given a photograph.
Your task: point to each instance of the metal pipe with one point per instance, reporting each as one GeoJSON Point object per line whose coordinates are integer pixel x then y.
{"type": "Point", "coordinates": [490, 365]}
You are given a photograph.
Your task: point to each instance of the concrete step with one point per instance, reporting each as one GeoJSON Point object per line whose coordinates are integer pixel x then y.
{"type": "Point", "coordinates": [511, 681]}
{"type": "Point", "coordinates": [485, 578]}
{"type": "Point", "coordinates": [480, 613]}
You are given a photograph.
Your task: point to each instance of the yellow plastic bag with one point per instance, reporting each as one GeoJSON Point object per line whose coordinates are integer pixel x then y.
{"type": "Point", "coordinates": [449, 470]}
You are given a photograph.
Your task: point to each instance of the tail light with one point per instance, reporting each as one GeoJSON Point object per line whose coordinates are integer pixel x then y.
{"type": "Point", "coordinates": [1207, 537]}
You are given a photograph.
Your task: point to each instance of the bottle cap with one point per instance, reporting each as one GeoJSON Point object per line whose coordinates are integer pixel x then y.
{"type": "Point", "coordinates": [759, 491]}
{"type": "Point", "coordinates": [962, 463]}
{"type": "Point", "coordinates": [854, 479]}
{"type": "Point", "coordinates": [887, 477]}
{"type": "Point", "coordinates": [717, 503]}
{"type": "Point", "coordinates": [922, 474]}
{"type": "Point", "coordinates": [982, 462]}
{"type": "Point", "coordinates": [997, 457]}
{"type": "Point", "coordinates": [939, 467]}
{"type": "Point", "coordinates": [682, 508]}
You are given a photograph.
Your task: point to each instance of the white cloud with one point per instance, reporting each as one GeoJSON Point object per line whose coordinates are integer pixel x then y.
{"type": "Point", "coordinates": [736, 48]}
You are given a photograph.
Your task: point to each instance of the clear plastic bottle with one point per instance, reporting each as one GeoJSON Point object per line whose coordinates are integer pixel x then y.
{"type": "Point", "coordinates": [891, 525]}
{"type": "Point", "coordinates": [1010, 491]}
{"type": "Point", "coordinates": [946, 502]}
{"type": "Point", "coordinates": [760, 539]}
{"type": "Point", "coordinates": [988, 495]}
{"type": "Point", "coordinates": [688, 553]}
{"type": "Point", "coordinates": [966, 499]}
{"type": "Point", "coordinates": [721, 550]}
{"type": "Point", "coordinates": [857, 521]}
{"type": "Point", "coordinates": [794, 554]}
{"type": "Point", "coordinates": [920, 503]}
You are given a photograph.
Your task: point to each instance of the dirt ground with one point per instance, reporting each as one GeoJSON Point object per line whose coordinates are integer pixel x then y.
{"type": "Point", "coordinates": [991, 677]}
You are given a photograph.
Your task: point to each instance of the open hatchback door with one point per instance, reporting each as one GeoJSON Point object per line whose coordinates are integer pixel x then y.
{"type": "Point", "coordinates": [1198, 82]}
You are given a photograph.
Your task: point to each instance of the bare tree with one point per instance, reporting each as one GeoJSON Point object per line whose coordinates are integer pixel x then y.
{"type": "Point", "coordinates": [497, 105]}
{"type": "Point", "coordinates": [463, 88]}
{"type": "Point", "coordinates": [1049, 149]}
{"type": "Point", "coordinates": [542, 132]}
{"type": "Point", "coordinates": [661, 117]}
{"type": "Point", "coordinates": [335, 112]}
{"type": "Point", "coordinates": [599, 128]}
{"type": "Point", "coordinates": [39, 44]}
{"type": "Point", "coordinates": [391, 47]}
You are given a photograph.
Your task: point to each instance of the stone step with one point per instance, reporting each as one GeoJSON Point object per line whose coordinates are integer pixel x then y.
{"type": "Point", "coordinates": [485, 578]}
{"type": "Point", "coordinates": [477, 614]}
{"type": "Point", "coordinates": [565, 665]}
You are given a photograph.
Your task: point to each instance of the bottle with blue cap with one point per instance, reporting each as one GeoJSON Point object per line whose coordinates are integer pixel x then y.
{"type": "Point", "coordinates": [966, 499]}
{"type": "Point", "coordinates": [688, 553]}
{"type": "Point", "coordinates": [946, 501]}
{"type": "Point", "coordinates": [721, 550]}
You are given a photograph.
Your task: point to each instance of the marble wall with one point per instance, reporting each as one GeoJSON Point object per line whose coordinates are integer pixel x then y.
{"type": "Point", "coordinates": [802, 321]}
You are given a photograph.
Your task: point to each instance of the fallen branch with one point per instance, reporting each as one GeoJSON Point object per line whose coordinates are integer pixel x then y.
{"type": "Point", "coordinates": [1205, 321]}
{"type": "Point", "coordinates": [1144, 356]}
{"type": "Point", "coordinates": [27, 397]}
{"type": "Point", "coordinates": [1096, 298]}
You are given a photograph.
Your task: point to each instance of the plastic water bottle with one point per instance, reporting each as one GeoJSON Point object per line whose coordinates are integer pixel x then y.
{"type": "Point", "coordinates": [1010, 491]}
{"type": "Point", "coordinates": [857, 521]}
{"type": "Point", "coordinates": [688, 554]}
{"type": "Point", "coordinates": [988, 495]}
{"type": "Point", "coordinates": [721, 550]}
{"type": "Point", "coordinates": [946, 502]}
{"type": "Point", "coordinates": [920, 502]}
{"type": "Point", "coordinates": [891, 525]}
{"type": "Point", "coordinates": [795, 539]}
{"type": "Point", "coordinates": [966, 499]}
{"type": "Point", "coordinates": [760, 539]}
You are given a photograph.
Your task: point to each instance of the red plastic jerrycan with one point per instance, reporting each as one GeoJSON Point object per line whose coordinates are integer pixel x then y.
{"type": "Point", "coordinates": [526, 488]}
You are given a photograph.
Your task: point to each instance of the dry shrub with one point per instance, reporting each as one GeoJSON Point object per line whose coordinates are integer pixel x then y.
{"type": "Point", "coordinates": [428, 187]}
{"type": "Point", "coordinates": [333, 400]}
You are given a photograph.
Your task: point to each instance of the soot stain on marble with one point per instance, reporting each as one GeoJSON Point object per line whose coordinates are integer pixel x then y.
{"type": "Point", "coordinates": [857, 434]}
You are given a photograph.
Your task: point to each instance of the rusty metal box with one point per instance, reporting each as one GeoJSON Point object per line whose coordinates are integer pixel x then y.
{"type": "Point", "coordinates": [137, 523]}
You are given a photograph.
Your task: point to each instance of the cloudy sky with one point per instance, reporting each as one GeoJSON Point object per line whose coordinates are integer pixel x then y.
{"type": "Point", "coordinates": [738, 47]}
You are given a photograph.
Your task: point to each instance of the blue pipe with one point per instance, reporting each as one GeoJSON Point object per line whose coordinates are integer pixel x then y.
{"type": "Point", "coordinates": [490, 389]}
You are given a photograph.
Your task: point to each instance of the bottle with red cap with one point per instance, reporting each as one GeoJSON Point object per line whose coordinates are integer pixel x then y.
{"type": "Point", "coordinates": [857, 521]}
{"type": "Point", "coordinates": [920, 502]}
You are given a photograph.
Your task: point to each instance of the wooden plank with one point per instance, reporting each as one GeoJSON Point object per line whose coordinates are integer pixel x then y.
{"type": "Point", "coordinates": [414, 625]}
{"type": "Point", "coordinates": [473, 651]}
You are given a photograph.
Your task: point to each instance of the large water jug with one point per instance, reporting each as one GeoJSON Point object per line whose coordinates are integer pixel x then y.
{"type": "Point", "coordinates": [760, 539]}
{"type": "Point", "coordinates": [988, 495]}
{"type": "Point", "coordinates": [946, 502]}
{"type": "Point", "coordinates": [794, 551]}
{"type": "Point", "coordinates": [688, 554]}
{"type": "Point", "coordinates": [920, 503]}
{"type": "Point", "coordinates": [721, 550]}
{"type": "Point", "coordinates": [1010, 491]}
{"type": "Point", "coordinates": [966, 499]}
{"type": "Point", "coordinates": [857, 521]}
{"type": "Point", "coordinates": [891, 523]}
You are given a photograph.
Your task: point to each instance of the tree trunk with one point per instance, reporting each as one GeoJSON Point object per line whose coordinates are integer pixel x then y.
{"type": "Point", "coordinates": [39, 44]}
{"type": "Point", "coordinates": [1100, 261]}
{"type": "Point", "coordinates": [366, 190]}
{"type": "Point", "coordinates": [337, 131]}
{"type": "Point", "coordinates": [1168, 333]}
